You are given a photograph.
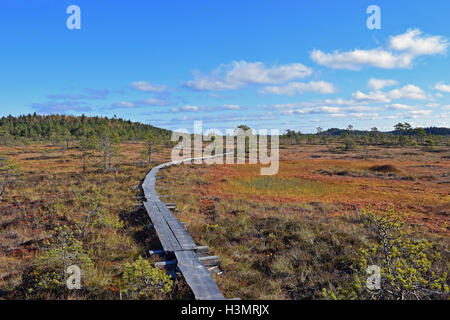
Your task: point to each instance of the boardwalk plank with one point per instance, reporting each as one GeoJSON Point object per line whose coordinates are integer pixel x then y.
{"type": "Point", "coordinates": [177, 228]}
{"type": "Point", "coordinates": [165, 234]}
{"type": "Point", "coordinates": [197, 276]}
{"type": "Point", "coordinates": [174, 238]}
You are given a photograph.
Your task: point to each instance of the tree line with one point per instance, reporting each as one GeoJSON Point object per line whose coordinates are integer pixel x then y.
{"type": "Point", "coordinates": [33, 127]}
{"type": "Point", "coordinates": [402, 135]}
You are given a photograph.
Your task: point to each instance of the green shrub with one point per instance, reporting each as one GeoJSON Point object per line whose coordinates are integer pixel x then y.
{"type": "Point", "coordinates": [49, 274]}
{"type": "Point", "coordinates": [142, 281]}
{"type": "Point", "coordinates": [409, 269]}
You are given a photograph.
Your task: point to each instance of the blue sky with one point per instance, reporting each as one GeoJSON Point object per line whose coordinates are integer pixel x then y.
{"type": "Point", "coordinates": [268, 64]}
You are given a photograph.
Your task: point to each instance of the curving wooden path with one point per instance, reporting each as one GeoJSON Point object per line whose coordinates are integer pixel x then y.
{"type": "Point", "coordinates": [175, 239]}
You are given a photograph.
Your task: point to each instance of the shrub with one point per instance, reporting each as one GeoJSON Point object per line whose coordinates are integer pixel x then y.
{"type": "Point", "coordinates": [142, 281]}
{"type": "Point", "coordinates": [409, 269]}
{"type": "Point", "coordinates": [349, 144]}
{"type": "Point", "coordinates": [9, 173]}
{"type": "Point", "coordinates": [429, 143]}
{"type": "Point", "coordinates": [50, 270]}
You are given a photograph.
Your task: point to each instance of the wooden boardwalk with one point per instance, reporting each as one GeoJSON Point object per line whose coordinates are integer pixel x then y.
{"type": "Point", "coordinates": [176, 240]}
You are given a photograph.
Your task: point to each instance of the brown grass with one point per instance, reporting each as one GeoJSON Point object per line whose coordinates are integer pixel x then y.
{"type": "Point", "coordinates": [53, 190]}
{"type": "Point", "coordinates": [291, 235]}
{"type": "Point", "coordinates": [282, 237]}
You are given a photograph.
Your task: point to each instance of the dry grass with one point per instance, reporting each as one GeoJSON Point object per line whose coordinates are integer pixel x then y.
{"type": "Point", "coordinates": [282, 237]}
{"type": "Point", "coordinates": [290, 235]}
{"type": "Point", "coordinates": [54, 190]}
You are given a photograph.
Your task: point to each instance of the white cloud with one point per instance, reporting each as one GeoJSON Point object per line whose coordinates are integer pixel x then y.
{"type": "Point", "coordinates": [444, 115]}
{"type": "Point", "coordinates": [240, 73]}
{"type": "Point", "coordinates": [447, 107]}
{"type": "Point", "coordinates": [399, 106]}
{"type": "Point", "coordinates": [124, 104]}
{"type": "Point", "coordinates": [409, 91]}
{"type": "Point", "coordinates": [293, 105]}
{"type": "Point", "coordinates": [415, 44]}
{"type": "Point", "coordinates": [147, 87]}
{"type": "Point", "coordinates": [364, 116]}
{"type": "Point", "coordinates": [231, 106]}
{"type": "Point", "coordinates": [341, 102]}
{"type": "Point", "coordinates": [356, 59]}
{"type": "Point", "coordinates": [400, 53]}
{"type": "Point", "coordinates": [337, 115]}
{"type": "Point", "coordinates": [316, 110]}
{"type": "Point", "coordinates": [186, 108]}
{"type": "Point", "coordinates": [442, 87]}
{"type": "Point", "coordinates": [362, 105]}
{"type": "Point", "coordinates": [294, 88]}
{"type": "Point", "coordinates": [257, 73]}
{"type": "Point", "coordinates": [377, 96]}
{"type": "Point", "coordinates": [189, 108]}
{"type": "Point", "coordinates": [377, 84]}
{"type": "Point", "coordinates": [416, 114]}
{"type": "Point", "coordinates": [154, 102]}
{"type": "Point", "coordinates": [211, 83]}
{"type": "Point", "coordinates": [360, 108]}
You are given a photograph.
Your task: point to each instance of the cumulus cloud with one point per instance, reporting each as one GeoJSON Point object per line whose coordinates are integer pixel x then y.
{"type": "Point", "coordinates": [189, 108]}
{"type": "Point", "coordinates": [241, 73]}
{"type": "Point", "coordinates": [377, 96]}
{"type": "Point", "coordinates": [154, 102]}
{"type": "Point", "coordinates": [186, 108]}
{"type": "Point", "coordinates": [293, 105]}
{"type": "Point", "coordinates": [400, 53]}
{"type": "Point", "coordinates": [442, 87]}
{"type": "Point", "coordinates": [147, 87]}
{"type": "Point", "coordinates": [338, 115]}
{"type": "Point", "coordinates": [316, 110]}
{"type": "Point", "coordinates": [415, 44]}
{"type": "Point", "coordinates": [399, 106]}
{"type": "Point", "coordinates": [359, 103]}
{"type": "Point", "coordinates": [239, 117]}
{"type": "Point", "coordinates": [377, 84]}
{"type": "Point", "coordinates": [123, 104]}
{"type": "Point", "coordinates": [409, 91]}
{"type": "Point", "coordinates": [361, 108]}
{"type": "Point", "coordinates": [231, 106]}
{"type": "Point", "coordinates": [364, 116]}
{"type": "Point", "coordinates": [415, 114]}
{"type": "Point", "coordinates": [294, 88]}
{"type": "Point", "coordinates": [356, 59]}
